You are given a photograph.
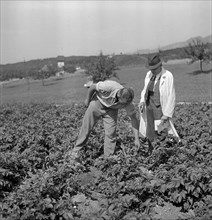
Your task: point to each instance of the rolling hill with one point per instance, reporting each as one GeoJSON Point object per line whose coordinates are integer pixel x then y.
{"type": "Point", "coordinates": [207, 39]}
{"type": "Point", "coordinates": [29, 68]}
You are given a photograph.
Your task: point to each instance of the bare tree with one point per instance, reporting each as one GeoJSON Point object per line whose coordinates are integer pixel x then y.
{"type": "Point", "coordinates": [197, 50]}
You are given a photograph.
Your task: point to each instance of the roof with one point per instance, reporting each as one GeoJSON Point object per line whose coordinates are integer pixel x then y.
{"type": "Point", "coordinates": [60, 58]}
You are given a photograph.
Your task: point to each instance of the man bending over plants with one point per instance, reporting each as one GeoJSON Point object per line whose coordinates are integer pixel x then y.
{"type": "Point", "coordinates": [103, 100]}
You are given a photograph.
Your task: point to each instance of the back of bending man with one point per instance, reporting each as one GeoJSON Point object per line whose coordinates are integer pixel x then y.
{"type": "Point", "coordinates": [103, 100]}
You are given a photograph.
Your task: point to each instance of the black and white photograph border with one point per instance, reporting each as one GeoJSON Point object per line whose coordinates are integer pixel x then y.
{"type": "Point", "coordinates": [105, 109]}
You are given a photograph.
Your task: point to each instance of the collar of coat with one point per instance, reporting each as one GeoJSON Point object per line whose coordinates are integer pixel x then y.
{"type": "Point", "coordinates": [159, 74]}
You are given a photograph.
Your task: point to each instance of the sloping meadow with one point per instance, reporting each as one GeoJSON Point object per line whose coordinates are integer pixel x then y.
{"type": "Point", "coordinates": [37, 180]}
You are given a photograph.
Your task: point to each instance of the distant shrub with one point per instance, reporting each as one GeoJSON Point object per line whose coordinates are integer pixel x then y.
{"type": "Point", "coordinates": [69, 68]}
{"type": "Point", "coordinates": [104, 68]}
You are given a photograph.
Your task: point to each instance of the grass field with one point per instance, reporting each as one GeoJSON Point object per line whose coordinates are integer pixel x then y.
{"type": "Point", "coordinates": [190, 84]}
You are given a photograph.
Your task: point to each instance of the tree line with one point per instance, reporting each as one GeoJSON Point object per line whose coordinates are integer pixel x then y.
{"type": "Point", "coordinates": [101, 67]}
{"type": "Point", "coordinates": [32, 70]}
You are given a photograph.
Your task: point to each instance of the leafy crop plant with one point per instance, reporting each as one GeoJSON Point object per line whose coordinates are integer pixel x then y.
{"type": "Point", "coordinates": [38, 182]}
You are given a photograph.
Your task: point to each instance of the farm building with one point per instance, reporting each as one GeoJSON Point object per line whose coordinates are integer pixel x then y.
{"type": "Point", "coordinates": [60, 65]}
{"type": "Point", "coordinates": [60, 62]}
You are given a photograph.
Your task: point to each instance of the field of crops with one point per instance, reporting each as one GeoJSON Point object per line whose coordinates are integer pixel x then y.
{"type": "Point", "coordinates": [38, 182]}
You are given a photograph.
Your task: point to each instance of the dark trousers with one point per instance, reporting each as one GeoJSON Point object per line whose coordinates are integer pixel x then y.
{"type": "Point", "coordinates": [153, 112]}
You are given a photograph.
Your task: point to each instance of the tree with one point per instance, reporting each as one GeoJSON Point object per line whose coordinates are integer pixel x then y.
{"type": "Point", "coordinates": [45, 72]}
{"type": "Point", "coordinates": [69, 68]}
{"type": "Point", "coordinates": [104, 68]}
{"type": "Point", "coordinates": [197, 50]}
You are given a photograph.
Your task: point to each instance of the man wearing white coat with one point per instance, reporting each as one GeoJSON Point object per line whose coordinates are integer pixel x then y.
{"type": "Point", "coordinates": [157, 102]}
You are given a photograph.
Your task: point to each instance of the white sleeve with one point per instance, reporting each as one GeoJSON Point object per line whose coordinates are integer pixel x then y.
{"type": "Point", "coordinates": [146, 81]}
{"type": "Point", "coordinates": [169, 97]}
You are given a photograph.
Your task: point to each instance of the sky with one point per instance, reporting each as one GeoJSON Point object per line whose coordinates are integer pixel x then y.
{"type": "Point", "coordinates": [43, 29]}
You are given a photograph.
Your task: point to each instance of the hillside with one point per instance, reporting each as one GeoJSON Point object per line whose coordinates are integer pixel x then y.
{"type": "Point", "coordinates": [30, 68]}
{"type": "Point", "coordinates": [207, 39]}
{"type": "Point", "coordinates": [182, 44]}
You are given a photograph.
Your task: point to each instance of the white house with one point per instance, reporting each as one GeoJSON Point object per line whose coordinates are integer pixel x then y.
{"type": "Point", "coordinates": [60, 62]}
{"type": "Point", "coordinates": [60, 66]}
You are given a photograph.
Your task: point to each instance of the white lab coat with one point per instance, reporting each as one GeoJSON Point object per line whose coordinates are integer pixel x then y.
{"type": "Point", "coordinates": [167, 99]}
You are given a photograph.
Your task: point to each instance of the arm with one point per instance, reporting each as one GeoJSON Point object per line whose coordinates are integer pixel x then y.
{"type": "Point", "coordinates": [142, 99]}
{"type": "Point", "coordinates": [131, 112]}
{"type": "Point", "coordinates": [90, 93]}
{"type": "Point", "coordinates": [146, 81]}
{"type": "Point", "coordinates": [169, 98]}
{"type": "Point", "coordinates": [135, 126]}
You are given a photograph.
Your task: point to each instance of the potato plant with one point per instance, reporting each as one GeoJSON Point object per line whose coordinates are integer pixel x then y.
{"type": "Point", "coordinates": [37, 180]}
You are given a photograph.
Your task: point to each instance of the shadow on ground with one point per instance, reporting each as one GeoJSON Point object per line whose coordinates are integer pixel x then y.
{"type": "Point", "coordinates": [11, 86]}
{"type": "Point", "coordinates": [49, 83]}
{"type": "Point", "coordinates": [197, 72]}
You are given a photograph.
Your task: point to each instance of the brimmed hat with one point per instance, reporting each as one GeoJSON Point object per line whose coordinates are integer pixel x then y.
{"type": "Point", "coordinates": [154, 62]}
